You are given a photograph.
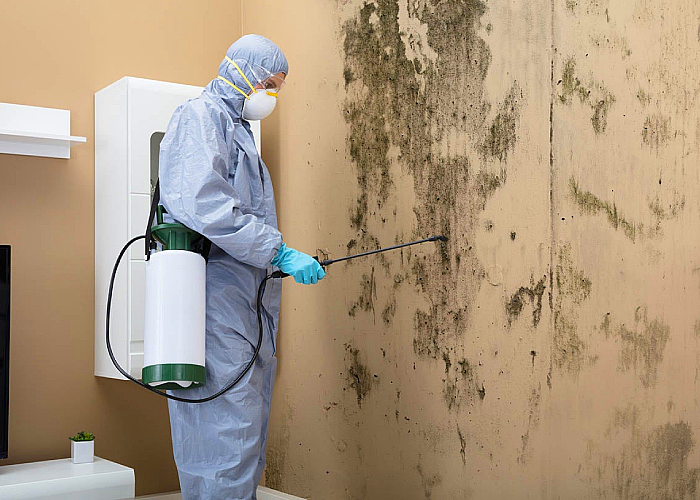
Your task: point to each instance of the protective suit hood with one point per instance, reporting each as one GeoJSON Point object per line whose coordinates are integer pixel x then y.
{"type": "Point", "coordinates": [255, 50]}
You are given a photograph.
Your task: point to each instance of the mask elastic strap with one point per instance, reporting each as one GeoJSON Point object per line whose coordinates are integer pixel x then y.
{"type": "Point", "coordinates": [242, 74]}
{"type": "Point", "coordinates": [234, 86]}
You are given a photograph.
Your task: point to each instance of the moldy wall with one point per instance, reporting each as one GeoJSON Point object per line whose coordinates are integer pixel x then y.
{"type": "Point", "coordinates": [549, 350]}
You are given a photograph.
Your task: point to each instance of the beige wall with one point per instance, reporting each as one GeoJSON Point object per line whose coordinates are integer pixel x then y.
{"type": "Point", "coordinates": [551, 351]}
{"type": "Point", "coordinates": [57, 54]}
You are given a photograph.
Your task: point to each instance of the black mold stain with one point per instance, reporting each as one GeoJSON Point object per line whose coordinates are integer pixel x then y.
{"type": "Point", "coordinates": [532, 294]}
{"type": "Point", "coordinates": [642, 346]}
{"type": "Point", "coordinates": [359, 376]}
{"type": "Point", "coordinates": [594, 95]}
{"type": "Point", "coordinates": [397, 100]}
{"type": "Point", "coordinates": [461, 385]}
{"type": "Point", "coordinates": [462, 446]}
{"type": "Point", "coordinates": [365, 301]}
{"type": "Point", "coordinates": [389, 312]}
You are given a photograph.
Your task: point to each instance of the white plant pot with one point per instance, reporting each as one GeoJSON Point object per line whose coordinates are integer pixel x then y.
{"type": "Point", "coordinates": [82, 452]}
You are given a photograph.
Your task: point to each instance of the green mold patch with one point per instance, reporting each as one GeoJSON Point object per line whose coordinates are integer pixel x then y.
{"type": "Point", "coordinates": [570, 353]}
{"type": "Point", "coordinates": [359, 377]}
{"type": "Point", "coordinates": [656, 131]}
{"type": "Point", "coordinates": [593, 94]}
{"type": "Point", "coordinates": [590, 204]}
{"type": "Point", "coordinates": [399, 112]}
{"type": "Point", "coordinates": [696, 328]}
{"type": "Point", "coordinates": [667, 211]}
{"type": "Point", "coordinates": [532, 295]}
{"type": "Point", "coordinates": [660, 211]}
{"type": "Point", "coordinates": [501, 136]}
{"type": "Point", "coordinates": [641, 345]}
{"type": "Point", "coordinates": [650, 464]}
{"type": "Point", "coordinates": [571, 5]}
{"type": "Point", "coordinates": [643, 97]}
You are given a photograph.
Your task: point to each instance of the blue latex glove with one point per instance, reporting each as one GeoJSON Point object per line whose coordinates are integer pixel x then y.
{"type": "Point", "coordinates": [304, 268]}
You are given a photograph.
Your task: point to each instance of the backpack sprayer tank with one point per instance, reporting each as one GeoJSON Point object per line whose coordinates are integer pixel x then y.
{"type": "Point", "coordinates": [174, 334]}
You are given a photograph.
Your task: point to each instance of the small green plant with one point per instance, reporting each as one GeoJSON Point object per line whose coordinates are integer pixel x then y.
{"type": "Point", "coordinates": [83, 436]}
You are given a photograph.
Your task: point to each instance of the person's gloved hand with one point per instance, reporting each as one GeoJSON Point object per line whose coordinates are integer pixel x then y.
{"type": "Point", "coordinates": [304, 268]}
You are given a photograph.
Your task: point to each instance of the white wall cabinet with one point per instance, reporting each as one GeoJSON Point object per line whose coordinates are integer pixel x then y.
{"type": "Point", "coordinates": [131, 116]}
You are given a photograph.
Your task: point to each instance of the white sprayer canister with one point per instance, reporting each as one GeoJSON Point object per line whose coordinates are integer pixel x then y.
{"type": "Point", "coordinates": [174, 335]}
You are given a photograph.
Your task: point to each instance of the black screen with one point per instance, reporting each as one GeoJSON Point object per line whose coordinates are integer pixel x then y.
{"type": "Point", "coordinates": [4, 347]}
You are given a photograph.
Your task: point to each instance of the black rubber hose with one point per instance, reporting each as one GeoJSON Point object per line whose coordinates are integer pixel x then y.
{"type": "Point", "coordinates": [261, 292]}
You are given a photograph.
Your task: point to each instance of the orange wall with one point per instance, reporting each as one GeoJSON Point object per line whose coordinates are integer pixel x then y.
{"type": "Point", "coordinates": [58, 54]}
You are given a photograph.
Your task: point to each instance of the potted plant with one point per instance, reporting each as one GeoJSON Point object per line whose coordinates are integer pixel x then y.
{"type": "Point", "coordinates": [82, 448]}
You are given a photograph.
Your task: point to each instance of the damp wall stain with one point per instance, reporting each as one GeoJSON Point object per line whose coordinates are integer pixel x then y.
{"type": "Point", "coordinates": [641, 345]}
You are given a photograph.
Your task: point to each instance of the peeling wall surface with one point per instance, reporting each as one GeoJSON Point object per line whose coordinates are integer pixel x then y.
{"type": "Point", "coordinates": [551, 348]}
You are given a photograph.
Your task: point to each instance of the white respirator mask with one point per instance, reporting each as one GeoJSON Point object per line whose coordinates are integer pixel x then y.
{"type": "Point", "coordinates": [259, 103]}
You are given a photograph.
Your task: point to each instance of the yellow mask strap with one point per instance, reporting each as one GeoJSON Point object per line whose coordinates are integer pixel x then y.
{"type": "Point", "coordinates": [241, 72]}
{"type": "Point", "coordinates": [234, 86]}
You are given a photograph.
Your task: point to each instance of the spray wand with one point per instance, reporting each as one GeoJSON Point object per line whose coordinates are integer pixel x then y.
{"type": "Point", "coordinates": [328, 262]}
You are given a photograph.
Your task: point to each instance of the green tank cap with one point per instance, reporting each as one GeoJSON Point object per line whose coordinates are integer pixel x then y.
{"type": "Point", "coordinates": [173, 235]}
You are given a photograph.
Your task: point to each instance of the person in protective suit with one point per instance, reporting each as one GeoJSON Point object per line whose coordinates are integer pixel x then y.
{"type": "Point", "coordinates": [213, 181]}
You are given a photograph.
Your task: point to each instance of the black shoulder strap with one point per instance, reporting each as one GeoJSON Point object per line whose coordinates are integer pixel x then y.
{"type": "Point", "coordinates": [151, 243]}
{"type": "Point", "coordinates": [151, 217]}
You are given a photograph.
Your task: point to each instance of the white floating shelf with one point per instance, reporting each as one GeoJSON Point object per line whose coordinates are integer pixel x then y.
{"type": "Point", "coordinates": [34, 131]}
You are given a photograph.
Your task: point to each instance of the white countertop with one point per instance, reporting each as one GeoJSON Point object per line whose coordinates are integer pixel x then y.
{"type": "Point", "coordinates": [55, 479]}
